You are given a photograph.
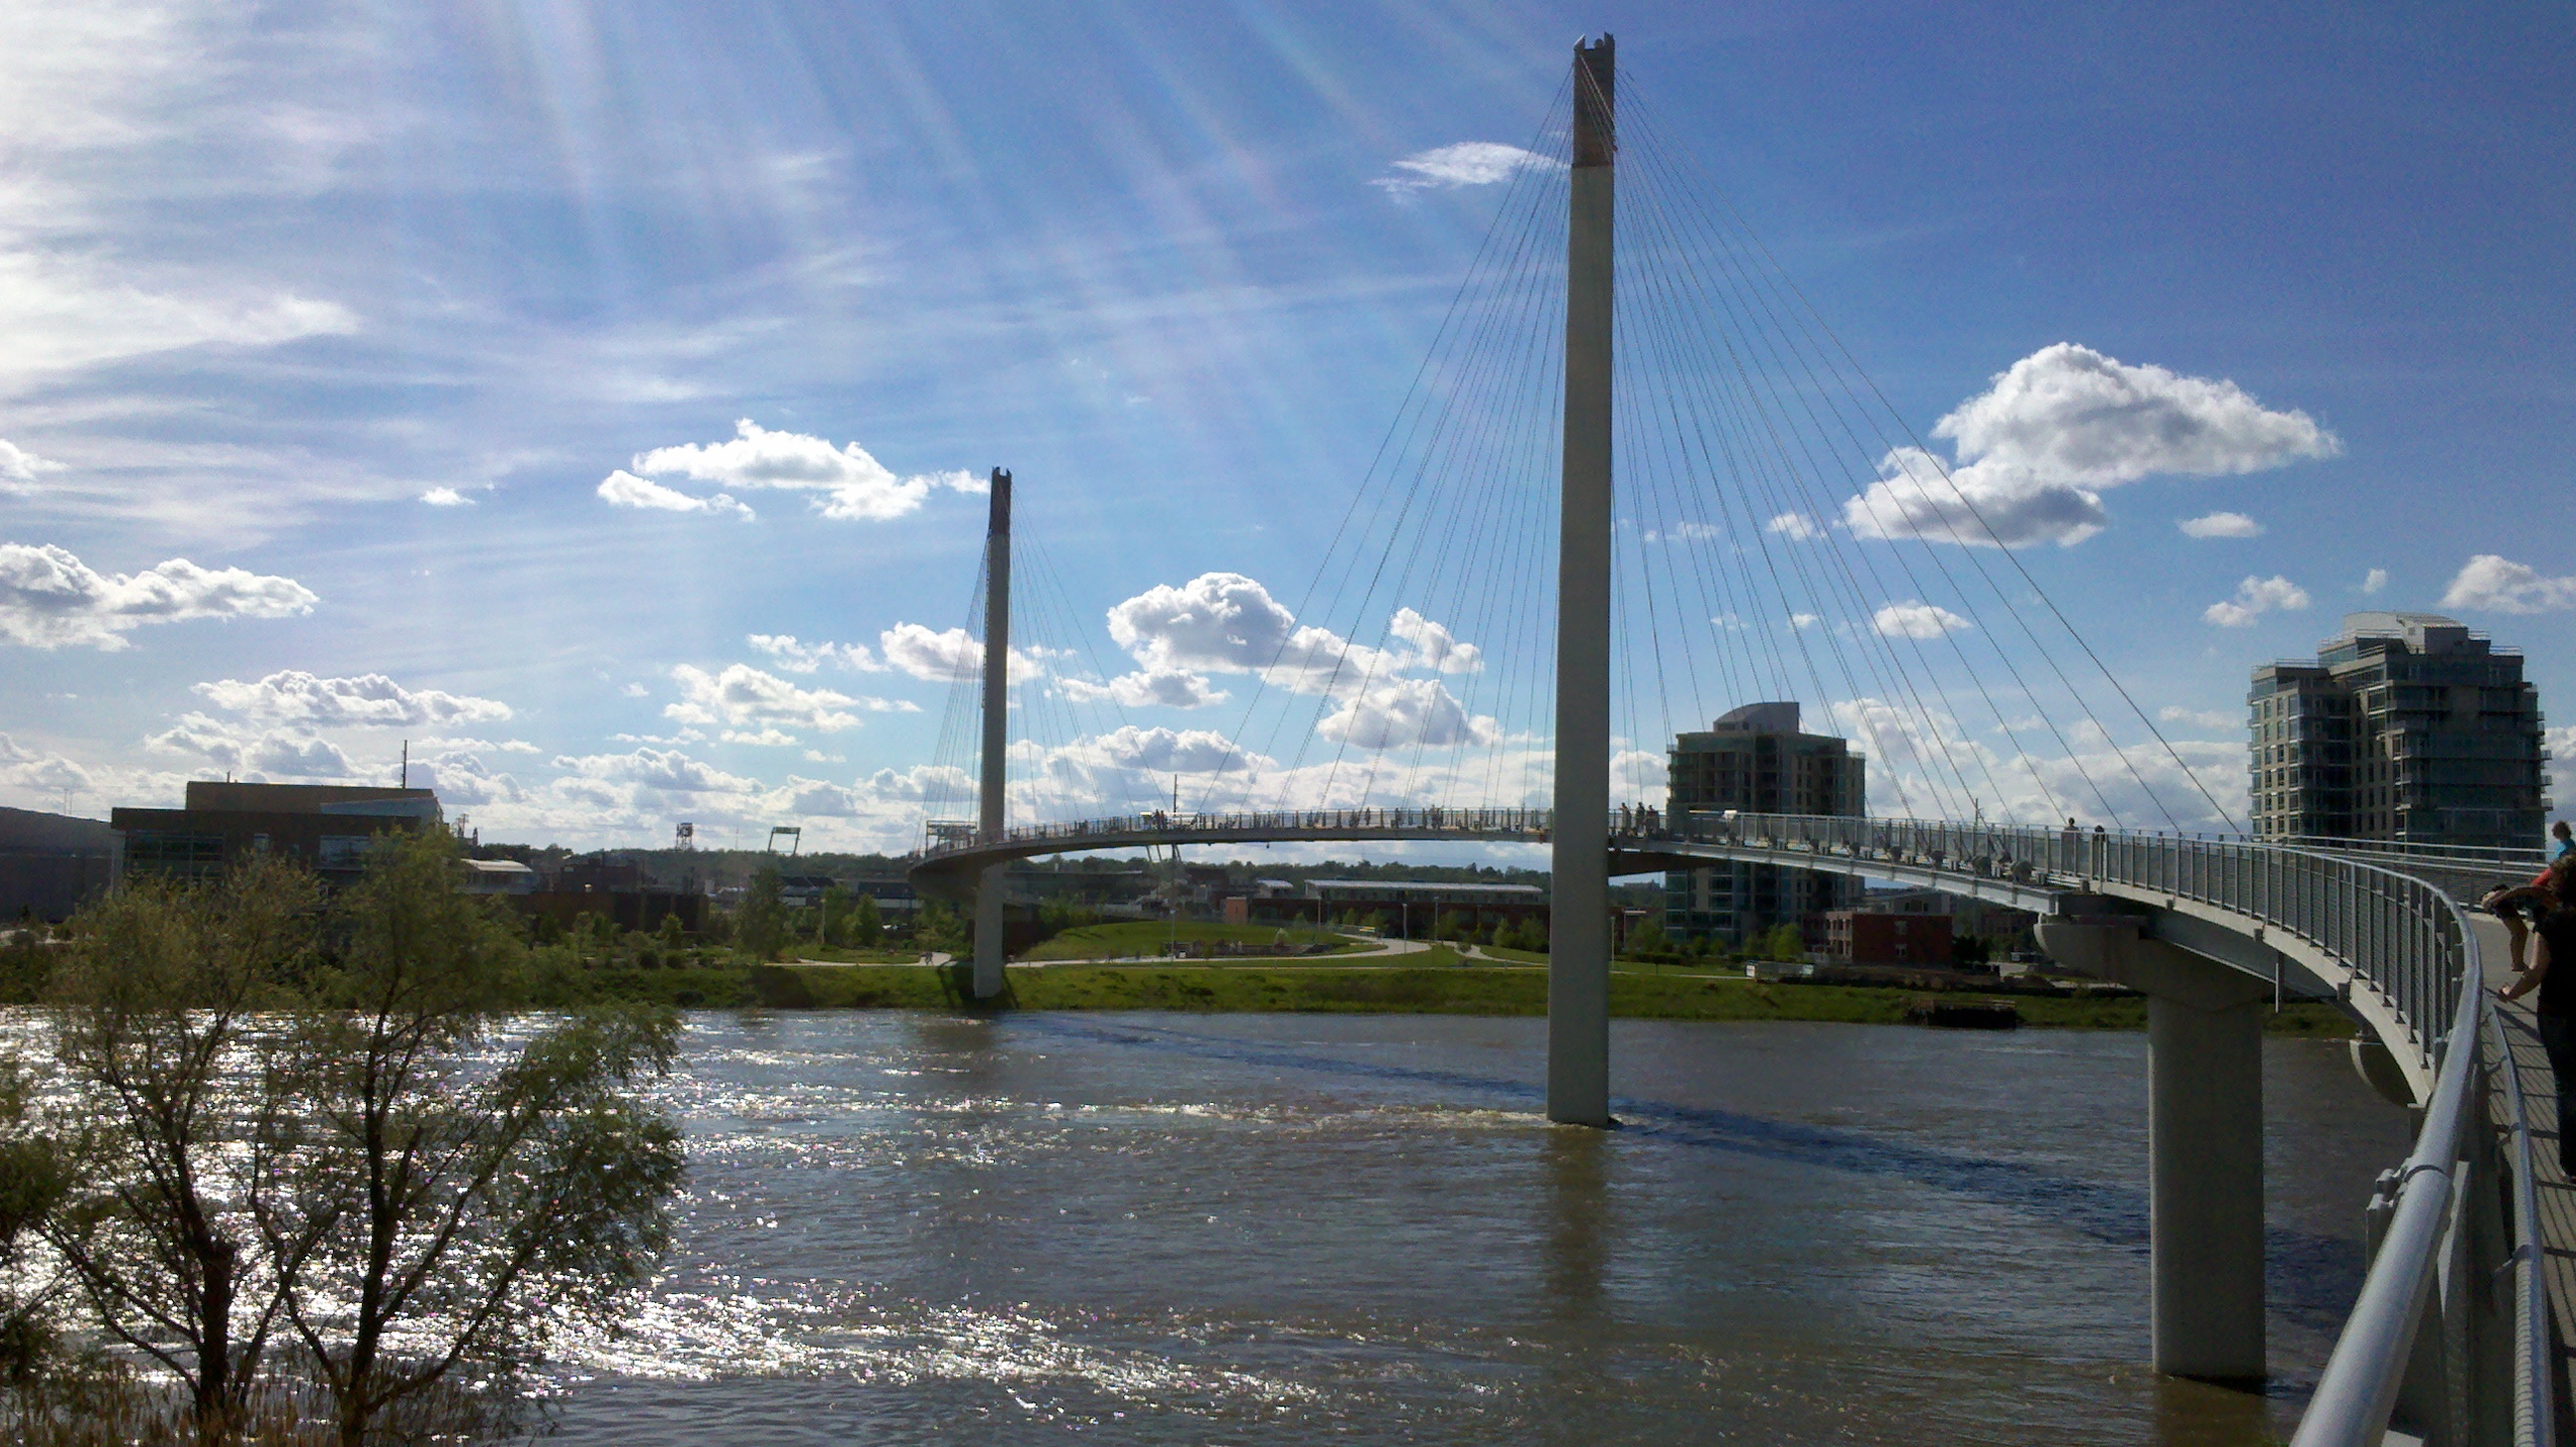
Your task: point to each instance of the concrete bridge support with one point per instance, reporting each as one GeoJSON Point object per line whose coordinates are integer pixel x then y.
{"type": "Point", "coordinates": [2204, 1140]}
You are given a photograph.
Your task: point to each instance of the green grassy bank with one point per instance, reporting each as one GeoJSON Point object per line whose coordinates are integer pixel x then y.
{"type": "Point", "coordinates": [1437, 985]}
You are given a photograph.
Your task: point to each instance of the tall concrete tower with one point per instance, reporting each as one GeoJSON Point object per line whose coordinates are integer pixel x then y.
{"type": "Point", "coordinates": [1578, 968]}
{"type": "Point", "coordinates": [995, 777]}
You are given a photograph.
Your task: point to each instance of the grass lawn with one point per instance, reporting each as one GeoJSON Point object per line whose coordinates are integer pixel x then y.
{"type": "Point", "coordinates": [1152, 937]}
{"type": "Point", "coordinates": [1432, 983]}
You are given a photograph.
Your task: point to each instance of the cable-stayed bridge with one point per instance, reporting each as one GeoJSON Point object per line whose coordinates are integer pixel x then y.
{"type": "Point", "coordinates": [1630, 482]}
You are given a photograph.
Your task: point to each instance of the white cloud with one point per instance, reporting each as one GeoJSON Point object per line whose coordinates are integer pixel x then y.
{"type": "Point", "coordinates": [2255, 597]}
{"type": "Point", "coordinates": [1404, 712]}
{"type": "Point", "coordinates": [448, 497]}
{"type": "Point", "coordinates": [949, 655]}
{"type": "Point", "coordinates": [1804, 621]}
{"type": "Point", "coordinates": [2199, 717]}
{"type": "Point", "coordinates": [1797, 527]}
{"type": "Point", "coordinates": [2490, 584]}
{"type": "Point", "coordinates": [624, 489]}
{"type": "Point", "coordinates": [1228, 623]}
{"type": "Point", "coordinates": [24, 768]}
{"type": "Point", "coordinates": [1685, 532]}
{"type": "Point", "coordinates": [769, 738]}
{"type": "Point", "coordinates": [850, 483]}
{"type": "Point", "coordinates": [275, 753]}
{"type": "Point", "coordinates": [51, 599]}
{"type": "Point", "coordinates": [2038, 447]}
{"type": "Point", "coordinates": [743, 695]}
{"type": "Point", "coordinates": [796, 657]}
{"type": "Point", "coordinates": [2220, 525]}
{"type": "Point", "coordinates": [1916, 620]}
{"type": "Point", "coordinates": [657, 770]}
{"type": "Point", "coordinates": [1147, 688]}
{"type": "Point", "coordinates": [2562, 770]}
{"type": "Point", "coordinates": [370, 700]}
{"type": "Point", "coordinates": [1465, 163]}
{"type": "Point", "coordinates": [2375, 580]}
{"type": "Point", "coordinates": [18, 468]}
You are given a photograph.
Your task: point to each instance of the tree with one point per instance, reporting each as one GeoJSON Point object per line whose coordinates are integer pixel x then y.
{"type": "Point", "coordinates": [833, 928]}
{"type": "Point", "coordinates": [760, 925]}
{"type": "Point", "coordinates": [32, 1180]}
{"type": "Point", "coordinates": [1780, 942]}
{"type": "Point", "coordinates": [867, 924]}
{"type": "Point", "coordinates": [159, 1006]}
{"type": "Point", "coordinates": [429, 1213]}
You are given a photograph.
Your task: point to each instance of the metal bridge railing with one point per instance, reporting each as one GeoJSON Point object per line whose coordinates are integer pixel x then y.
{"type": "Point", "coordinates": [2415, 1343]}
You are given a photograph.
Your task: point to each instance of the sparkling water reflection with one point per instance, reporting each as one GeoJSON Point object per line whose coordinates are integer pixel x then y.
{"type": "Point", "coordinates": [1179, 1228]}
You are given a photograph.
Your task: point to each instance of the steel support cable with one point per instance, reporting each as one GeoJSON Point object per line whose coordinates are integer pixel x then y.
{"type": "Point", "coordinates": [1677, 365]}
{"type": "Point", "coordinates": [1783, 282]}
{"type": "Point", "coordinates": [1729, 425]}
{"type": "Point", "coordinates": [1522, 629]}
{"type": "Point", "coordinates": [1774, 461]}
{"type": "Point", "coordinates": [958, 719]}
{"type": "Point", "coordinates": [1431, 477]}
{"type": "Point", "coordinates": [1513, 277]}
{"type": "Point", "coordinates": [1395, 425]}
{"type": "Point", "coordinates": [1732, 302]}
{"type": "Point", "coordinates": [1762, 463]}
{"type": "Point", "coordinates": [1056, 611]}
{"type": "Point", "coordinates": [1501, 416]}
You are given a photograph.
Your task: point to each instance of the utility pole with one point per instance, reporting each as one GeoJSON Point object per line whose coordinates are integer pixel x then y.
{"type": "Point", "coordinates": [1578, 958]}
{"type": "Point", "coordinates": [989, 822]}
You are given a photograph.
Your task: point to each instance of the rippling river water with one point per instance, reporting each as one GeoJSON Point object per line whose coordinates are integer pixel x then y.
{"type": "Point", "coordinates": [1287, 1229]}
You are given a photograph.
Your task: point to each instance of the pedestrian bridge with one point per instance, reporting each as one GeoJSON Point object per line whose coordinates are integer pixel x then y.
{"type": "Point", "coordinates": [2212, 931]}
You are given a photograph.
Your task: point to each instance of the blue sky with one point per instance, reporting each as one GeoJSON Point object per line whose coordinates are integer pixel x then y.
{"type": "Point", "coordinates": [323, 329]}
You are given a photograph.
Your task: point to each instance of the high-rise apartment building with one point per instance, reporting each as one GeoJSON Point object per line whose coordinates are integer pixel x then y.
{"type": "Point", "coordinates": [2406, 727]}
{"type": "Point", "coordinates": [1756, 760]}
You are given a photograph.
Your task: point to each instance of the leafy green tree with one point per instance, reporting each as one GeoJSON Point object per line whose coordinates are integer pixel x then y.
{"type": "Point", "coordinates": [1781, 942]}
{"type": "Point", "coordinates": [32, 1182]}
{"type": "Point", "coordinates": [671, 932]}
{"type": "Point", "coordinates": [159, 1003]}
{"type": "Point", "coordinates": [760, 925]}
{"type": "Point", "coordinates": [867, 924]}
{"type": "Point", "coordinates": [430, 1214]}
{"type": "Point", "coordinates": [833, 927]}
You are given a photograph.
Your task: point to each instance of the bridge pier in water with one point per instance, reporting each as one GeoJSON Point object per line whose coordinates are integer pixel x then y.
{"type": "Point", "coordinates": [994, 773]}
{"type": "Point", "coordinates": [2204, 1140]}
{"type": "Point", "coordinates": [1578, 961]}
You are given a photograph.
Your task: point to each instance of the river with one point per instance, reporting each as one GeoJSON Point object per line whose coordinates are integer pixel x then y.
{"type": "Point", "coordinates": [1337, 1228]}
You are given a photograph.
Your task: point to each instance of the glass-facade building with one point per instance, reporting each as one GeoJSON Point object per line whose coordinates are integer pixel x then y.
{"type": "Point", "coordinates": [1758, 761]}
{"type": "Point", "coordinates": [2407, 727]}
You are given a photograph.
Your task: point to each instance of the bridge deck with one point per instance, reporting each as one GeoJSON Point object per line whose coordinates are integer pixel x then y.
{"type": "Point", "coordinates": [2556, 1191]}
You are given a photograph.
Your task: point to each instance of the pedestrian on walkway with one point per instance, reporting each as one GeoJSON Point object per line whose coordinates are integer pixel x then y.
{"type": "Point", "coordinates": [2554, 945]}
{"type": "Point", "coordinates": [2565, 844]}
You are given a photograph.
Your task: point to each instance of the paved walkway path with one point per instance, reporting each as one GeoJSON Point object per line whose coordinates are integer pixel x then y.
{"type": "Point", "coordinates": [2556, 1193]}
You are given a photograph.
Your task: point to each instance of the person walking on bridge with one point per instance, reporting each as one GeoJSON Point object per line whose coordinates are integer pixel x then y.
{"type": "Point", "coordinates": [2564, 844]}
{"type": "Point", "coordinates": [2553, 974]}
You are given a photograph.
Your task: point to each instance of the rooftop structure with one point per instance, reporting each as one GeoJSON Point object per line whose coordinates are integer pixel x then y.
{"type": "Point", "coordinates": [2407, 726]}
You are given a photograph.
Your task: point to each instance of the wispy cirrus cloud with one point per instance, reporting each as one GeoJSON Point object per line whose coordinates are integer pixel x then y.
{"type": "Point", "coordinates": [1464, 163]}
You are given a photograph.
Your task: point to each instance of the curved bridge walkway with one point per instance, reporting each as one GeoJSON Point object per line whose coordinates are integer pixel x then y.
{"type": "Point", "coordinates": [2210, 931]}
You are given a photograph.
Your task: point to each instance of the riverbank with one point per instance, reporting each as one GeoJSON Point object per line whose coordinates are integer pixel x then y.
{"type": "Point", "coordinates": [1431, 982]}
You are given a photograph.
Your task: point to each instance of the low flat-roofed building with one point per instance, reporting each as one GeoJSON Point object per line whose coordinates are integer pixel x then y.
{"type": "Point", "coordinates": [1410, 907]}
{"type": "Point", "coordinates": [1864, 937]}
{"type": "Point", "coordinates": [496, 876]}
{"type": "Point", "coordinates": [327, 827]}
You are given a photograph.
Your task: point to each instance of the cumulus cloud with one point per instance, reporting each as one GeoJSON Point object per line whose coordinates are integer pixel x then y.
{"type": "Point", "coordinates": [948, 655]}
{"type": "Point", "coordinates": [769, 738]}
{"type": "Point", "coordinates": [1465, 163]}
{"type": "Point", "coordinates": [1147, 688]}
{"type": "Point", "coordinates": [624, 489]}
{"type": "Point", "coordinates": [665, 771]}
{"type": "Point", "coordinates": [2254, 598]}
{"type": "Point", "coordinates": [369, 700]}
{"type": "Point", "coordinates": [1228, 623]}
{"type": "Point", "coordinates": [273, 753]}
{"type": "Point", "coordinates": [743, 696]}
{"type": "Point", "coordinates": [1685, 532]}
{"type": "Point", "coordinates": [48, 773]}
{"type": "Point", "coordinates": [1915, 620]}
{"type": "Point", "coordinates": [1797, 527]}
{"type": "Point", "coordinates": [51, 599]}
{"type": "Point", "coordinates": [2490, 584]}
{"type": "Point", "coordinates": [1405, 712]}
{"type": "Point", "coordinates": [2199, 717]}
{"type": "Point", "coordinates": [18, 468]}
{"type": "Point", "coordinates": [2375, 580]}
{"type": "Point", "coordinates": [786, 652]}
{"type": "Point", "coordinates": [2037, 449]}
{"type": "Point", "coordinates": [2220, 525]}
{"type": "Point", "coordinates": [446, 497]}
{"type": "Point", "coordinates": [846, 482]}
